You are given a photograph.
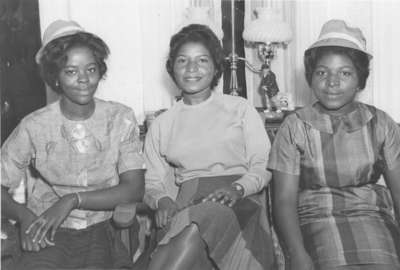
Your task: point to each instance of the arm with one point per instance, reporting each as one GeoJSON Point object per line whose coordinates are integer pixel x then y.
{"type": "Point", "coordinates": [257, 150]}
{"type": "Point", "coordinates": [129, 189]}
{"type": "Point", "coordinates": [24, 217]}
{"type": "Point", "coordinates": [159, 177]}
{"type": "Point", "coordinates": [284, 161]}
{"type": "Point", "coordinates": [391, 153]}
{"type": "Point", "coordinates": [392, 179]}
{"type": "Point", "coordinates": [15, 159]}
{"type": "Point", "coordinates": [257, 146]}
{"type": "Point", "coordinates": [160, 180]}
{"type": "Point", "coordinates": [284, 198]}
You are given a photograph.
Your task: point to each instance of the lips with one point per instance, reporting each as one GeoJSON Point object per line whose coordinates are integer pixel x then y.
{"type": "Point", "coordinates": [192, 78]}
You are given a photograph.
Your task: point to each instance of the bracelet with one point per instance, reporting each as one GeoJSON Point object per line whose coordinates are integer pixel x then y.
{"type": "Point", "coordinates": [239, 188]}
{"type": "Point", "coordinates": [78, 196]}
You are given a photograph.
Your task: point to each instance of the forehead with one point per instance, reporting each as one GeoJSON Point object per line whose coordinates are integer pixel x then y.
{"type": "Point", "coordinates": [193, 47]}
{"type": "Point", "coordinates": [79, 54]}
{"type": "Point", "coordinates": [334, 59]}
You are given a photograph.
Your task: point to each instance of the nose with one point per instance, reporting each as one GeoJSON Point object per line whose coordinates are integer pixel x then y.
{"type": "Point", "coordinates": [192, 66]}
{"type": "Point", "coordinates": [83, 77]}
{"type": "Point", "coordinates": [333, 80]}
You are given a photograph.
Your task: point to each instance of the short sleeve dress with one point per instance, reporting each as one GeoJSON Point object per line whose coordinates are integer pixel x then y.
{"type": "Point", "coordinates": [346, 218]}
{"type": "Point", "coordinates": [73, 156]}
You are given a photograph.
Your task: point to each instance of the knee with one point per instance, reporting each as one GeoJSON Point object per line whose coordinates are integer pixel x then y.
{"type": "Point", "coordinates": [190, 236]}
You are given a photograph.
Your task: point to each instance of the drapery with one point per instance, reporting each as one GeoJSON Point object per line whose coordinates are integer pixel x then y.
{"type": "Point", "coordinates": [377, 20]}
{"type": "Point", "coordinates": [138, 33]}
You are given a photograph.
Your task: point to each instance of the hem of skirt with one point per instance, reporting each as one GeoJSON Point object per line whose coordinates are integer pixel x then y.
{"type": "Point", "coordinates": [389, 260]}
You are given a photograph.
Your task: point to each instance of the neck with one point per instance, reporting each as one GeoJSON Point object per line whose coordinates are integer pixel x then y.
{"type": "Point", "coordinates": [73, 111]}
{"type": "Point", "coordinates": [342, 111]}
{"type": "Point", "coordinates": [194, 99]}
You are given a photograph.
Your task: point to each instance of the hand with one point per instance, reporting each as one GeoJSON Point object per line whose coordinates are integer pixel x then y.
{"type": "Point", "coordinates": [226, 195]}
{"type": "Point", "coordinates": [27, 242]}
{"type": "Point", "coordinates": [51, 219]}
{"type": "Point", "coordinates": [167, 208]}
{"type": "Point", "coordinates": [301, 261]}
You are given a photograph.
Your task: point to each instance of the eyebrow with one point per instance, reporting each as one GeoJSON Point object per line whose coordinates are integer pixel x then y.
{"type": "Point", "coordinates": [90, 64]}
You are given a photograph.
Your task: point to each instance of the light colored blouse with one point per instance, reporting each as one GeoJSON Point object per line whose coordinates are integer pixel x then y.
{"type": "Point", "coordinates": [71, 156]}
{"type": "Point", "coordinates": [223, 135]}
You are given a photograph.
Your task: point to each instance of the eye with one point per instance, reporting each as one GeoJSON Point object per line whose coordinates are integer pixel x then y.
{"type": "Point", "coordinates": [320, 73]}
{"type": "Point", "coordinates": [92, 69]}
{"type": "Point", "coordinates": [70, 72]}
{"type": "Point", "coordinates": [204, 60]}
{"type": "Point", "coordinates": [345, 73]}
{"type": "Point", "coordinates": [180, 60]}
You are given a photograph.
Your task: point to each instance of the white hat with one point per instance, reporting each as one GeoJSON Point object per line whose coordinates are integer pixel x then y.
{"type": "Point", "coordinates": [57, 29]}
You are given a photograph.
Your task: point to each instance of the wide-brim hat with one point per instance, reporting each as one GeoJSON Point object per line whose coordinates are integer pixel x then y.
{"type": "Point", "coordinates": [337, 33]}
{"type": "Point", "coordinates": [57, 29]}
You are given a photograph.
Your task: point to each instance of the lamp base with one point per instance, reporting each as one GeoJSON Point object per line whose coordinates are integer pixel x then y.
{"type": "Point", "coordinates": [273, 115]}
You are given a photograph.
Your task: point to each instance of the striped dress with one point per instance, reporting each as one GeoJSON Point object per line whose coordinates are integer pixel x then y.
{"type": "Point", "coordinates": [346, 218]}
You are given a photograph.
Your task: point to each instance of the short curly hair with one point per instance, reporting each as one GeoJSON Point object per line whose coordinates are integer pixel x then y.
{"type": "Point", "coordinates": [204, 35]}
{"type": "Point", "coordinates": [54, 55]}
{"type": "Point", "coordinates": [360, 61]}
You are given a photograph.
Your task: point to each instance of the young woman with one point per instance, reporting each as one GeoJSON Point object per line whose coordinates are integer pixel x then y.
{"type": "Point", "coordinates": [86, 152]}
{"type": "Point", "coordinates": [327, 159]}
{"type": "Point", "coordinates": [214, 148]}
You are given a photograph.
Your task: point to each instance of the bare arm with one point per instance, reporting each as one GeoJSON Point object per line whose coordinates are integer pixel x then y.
{"type": "Point", "coordinates": [129, 189]}
{"type": "Point", "coordinates": [285, 188]}
{"type": "Point", "coordinates": [24, 217]}
{"type": "Point", "coordinates": [10, 208]}
{"type": "Point", "coordinates": [392, 179]}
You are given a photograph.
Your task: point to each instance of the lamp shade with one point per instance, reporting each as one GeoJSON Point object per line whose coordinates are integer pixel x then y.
{"type": "Point", "coordinates": [267, 28]}
{"type": "Point", "coordinates": [200, 15]}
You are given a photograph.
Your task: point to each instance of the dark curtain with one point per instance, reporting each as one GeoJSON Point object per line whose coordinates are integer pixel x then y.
{"type": "Point", "coordinates": [22, 90]}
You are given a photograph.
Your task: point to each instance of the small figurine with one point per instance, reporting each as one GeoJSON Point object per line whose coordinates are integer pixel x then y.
{"type": "Point", "coordinates": [268, 86]}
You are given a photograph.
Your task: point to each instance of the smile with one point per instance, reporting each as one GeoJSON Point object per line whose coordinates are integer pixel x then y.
{"type": "Point", "coordinates": [192, 79]}
{"type": "Point", "coordinates": [333, 95]}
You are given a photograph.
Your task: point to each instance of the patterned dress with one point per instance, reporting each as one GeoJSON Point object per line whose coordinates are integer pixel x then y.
{"type": "Point", "coordinates": [346, 218]}
{"type": "Point", "coordinates": [73, 156]}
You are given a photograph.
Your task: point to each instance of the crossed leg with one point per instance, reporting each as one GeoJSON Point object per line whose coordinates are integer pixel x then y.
{"type": "Point", "coordinates": [185, 251]}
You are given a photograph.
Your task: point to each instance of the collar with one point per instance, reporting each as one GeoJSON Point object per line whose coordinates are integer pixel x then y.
{"type": "Point", "coordinates": [321, 121]}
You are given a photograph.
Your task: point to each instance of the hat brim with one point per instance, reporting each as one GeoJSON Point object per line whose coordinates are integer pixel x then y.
{"type": "Point", "coordinates": [337, 42]}
{"type": "Point", "coordinates": [64, 34]}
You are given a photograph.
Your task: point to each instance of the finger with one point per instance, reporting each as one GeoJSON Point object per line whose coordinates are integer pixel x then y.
{"type": "Point", "coordinates": [208, 197]}
{"type": "Point", "coordinates": [39, 231]}
{"type": "Point", "coordinates": [159, 219]}
{"type": "Point", "coordinates": [42, 244]}
{"type": "Point", "coordinates": [220, 195]}
{"type": "Point", "coordinates": [54, 229]}
{"type": "Point", "coordinates": [48, 242]}
{"type": "Point", "coordinates": [232, 202]}
{"type": "Point", "coordinates": [44, 231]}
{"type": "Point", "coordinates": [35, 247]}
{"type": "Point", "coordinates": [33, 224]}
{"type": "Point", "coordinates": [163, 219]}
{"type": "Point", "coordinates": [24, 245]}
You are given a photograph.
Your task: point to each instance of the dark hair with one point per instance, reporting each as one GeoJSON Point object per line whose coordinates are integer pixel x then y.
{"type": "Point", "coordinates": [54, 55]}
{"type": "Point", "coordinates": [360, 61]}
{"type": "Point", "coordinates": [204, 35]}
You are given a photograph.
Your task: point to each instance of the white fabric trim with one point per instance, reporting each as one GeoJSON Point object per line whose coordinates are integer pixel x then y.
{"type": "Point", "coordinates": [343, 36]}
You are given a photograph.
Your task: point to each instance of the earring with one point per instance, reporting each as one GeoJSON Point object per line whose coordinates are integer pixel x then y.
{"type": "Point", "coordinates": [57, 84]}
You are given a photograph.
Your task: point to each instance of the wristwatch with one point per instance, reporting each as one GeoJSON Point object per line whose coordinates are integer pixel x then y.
{"type": "Point", "coordinates": [239, 188]}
